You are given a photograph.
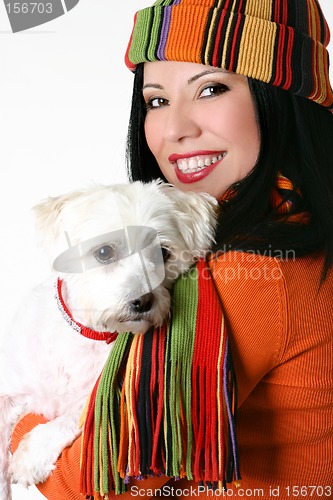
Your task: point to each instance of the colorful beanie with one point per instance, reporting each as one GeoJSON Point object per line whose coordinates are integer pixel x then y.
{"type": "Point", "coordinates": [281, 42]}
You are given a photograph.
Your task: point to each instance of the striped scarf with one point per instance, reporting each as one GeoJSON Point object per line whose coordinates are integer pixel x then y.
{"type": "Point", "coordinates": [165, 402]}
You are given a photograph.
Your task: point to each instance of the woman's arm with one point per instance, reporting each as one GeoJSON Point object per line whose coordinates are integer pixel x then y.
{"type": "Point", "coordinates": [64, 482]}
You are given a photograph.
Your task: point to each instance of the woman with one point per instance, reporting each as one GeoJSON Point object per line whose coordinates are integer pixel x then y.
{"type": "Point", "coordinates": [233, 98]}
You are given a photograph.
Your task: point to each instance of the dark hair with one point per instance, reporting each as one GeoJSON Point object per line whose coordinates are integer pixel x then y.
{"type": "Point", "coordinates": [296, 140]}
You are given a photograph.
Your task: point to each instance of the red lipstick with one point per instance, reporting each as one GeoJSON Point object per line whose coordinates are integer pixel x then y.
{"type": "Point", "coordinates": [190, 177]}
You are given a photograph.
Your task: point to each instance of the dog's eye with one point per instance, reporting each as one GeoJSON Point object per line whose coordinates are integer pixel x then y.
{"type": "Point", "coordinates": [166, 253]}
{"type": "Point", "coordinates": [105, 254]}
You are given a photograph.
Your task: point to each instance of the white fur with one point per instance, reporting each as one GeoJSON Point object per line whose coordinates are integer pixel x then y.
{"type": "Point", "coordinates": [45, 366]}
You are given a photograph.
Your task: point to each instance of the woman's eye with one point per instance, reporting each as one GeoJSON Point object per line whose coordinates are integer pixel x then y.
{"type": "Point", "coordinates": [214, 90]}
{"type": "Point", "coordinates": [105, 254]}
{"type": "Point", "coordinates": [156, 102]}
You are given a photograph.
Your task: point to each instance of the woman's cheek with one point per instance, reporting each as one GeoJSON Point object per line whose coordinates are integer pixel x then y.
{"type": "Point", "coordinates": [153, 136]}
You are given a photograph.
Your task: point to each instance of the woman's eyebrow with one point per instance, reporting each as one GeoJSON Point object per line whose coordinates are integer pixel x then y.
{"type": "Point", "coordinates": [152, 85]}
{"type": "Point", "coordinates": [190, 80]}
{"type": "Point", "coordinates": [206, 72]}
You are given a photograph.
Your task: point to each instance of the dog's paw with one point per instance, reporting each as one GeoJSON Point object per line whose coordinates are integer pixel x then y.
{"type": "Point", "coordinates": [31, 463]}
{"type": "Point", "coordinates": [5, 490]}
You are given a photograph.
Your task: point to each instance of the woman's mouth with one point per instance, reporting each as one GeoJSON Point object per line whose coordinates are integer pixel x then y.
{"type": "Point", "coordinates": [197, 163]}
{"type": "Point", "coordinates": [196, 166]}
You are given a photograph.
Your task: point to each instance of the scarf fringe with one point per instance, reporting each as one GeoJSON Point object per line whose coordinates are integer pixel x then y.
{"type": "Point", "coordinates": [166, 401]}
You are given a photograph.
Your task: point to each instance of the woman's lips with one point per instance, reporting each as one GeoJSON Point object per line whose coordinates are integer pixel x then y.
{"type": "Point", "coordinates": [195, 166]}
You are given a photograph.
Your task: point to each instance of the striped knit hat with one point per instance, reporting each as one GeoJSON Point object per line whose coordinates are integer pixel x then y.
{"type": "Point", "coordinates": [281, 42]}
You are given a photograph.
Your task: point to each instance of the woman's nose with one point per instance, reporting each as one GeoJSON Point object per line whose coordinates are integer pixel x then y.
{"type": "Point", "coordinates": [180, 123]}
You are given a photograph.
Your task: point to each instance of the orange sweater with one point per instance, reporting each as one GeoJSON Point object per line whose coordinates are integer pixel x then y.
{"type": "Point", "coordinates": [281, 331]}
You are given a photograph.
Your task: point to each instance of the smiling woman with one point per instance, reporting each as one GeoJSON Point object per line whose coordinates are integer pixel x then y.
{"type": "Point", "coordinates": [234, 98]}
{"type": "Point", "coordinates": [188, 105]}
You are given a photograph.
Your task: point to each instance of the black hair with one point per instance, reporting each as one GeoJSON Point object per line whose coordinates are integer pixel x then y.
{"type": "Point", "coordinates": [296, 137]}
{"type": "Point", "coordinates": [141, 163]}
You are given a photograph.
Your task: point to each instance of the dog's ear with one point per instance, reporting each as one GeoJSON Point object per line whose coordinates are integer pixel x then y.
{"type": "Point", "coordinates": [196, 217]}
{"type": "Point", "coordinates": [49, 220]}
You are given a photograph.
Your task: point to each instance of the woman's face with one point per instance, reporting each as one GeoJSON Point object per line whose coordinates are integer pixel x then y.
{"type": "Point", "coordinates": [200, 125]}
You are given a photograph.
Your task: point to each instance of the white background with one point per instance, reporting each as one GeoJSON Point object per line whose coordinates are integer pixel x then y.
{"type": "Point", "coordinates": [65, 96]}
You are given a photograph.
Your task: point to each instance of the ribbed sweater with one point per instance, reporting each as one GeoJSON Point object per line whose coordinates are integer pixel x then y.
{"type": "Point", "coordinates": [281, 330]}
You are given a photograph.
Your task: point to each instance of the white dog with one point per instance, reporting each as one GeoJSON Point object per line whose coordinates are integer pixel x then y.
{"type": "Point", "coordinates": [118, 250]}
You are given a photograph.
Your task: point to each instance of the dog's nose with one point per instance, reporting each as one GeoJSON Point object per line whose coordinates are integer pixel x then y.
{"type": "Point", "coordinates": [143, 304]}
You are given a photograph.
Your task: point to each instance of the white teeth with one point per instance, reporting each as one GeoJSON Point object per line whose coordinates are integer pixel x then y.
{"type": "Point", "coordinates": [195, 164]}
